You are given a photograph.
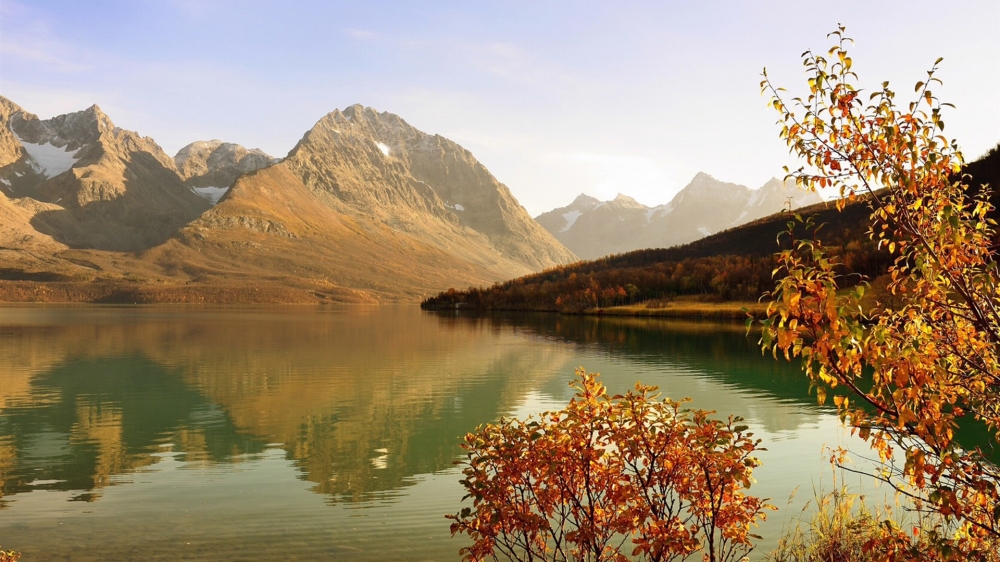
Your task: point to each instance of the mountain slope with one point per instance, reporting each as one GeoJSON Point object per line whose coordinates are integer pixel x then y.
{"type": "Point", "coordinates": [355, 207]}
{"type": "Point", "coordinates": [365, 208]}
{"type": "Point", "coordinates": [733, 265]}
{"type": "Point", "coordinates": [593, 229]}
{"type": "Point", "coordinates": [376, 166]}
{"type": "Point", "coordinates": [113, 189]}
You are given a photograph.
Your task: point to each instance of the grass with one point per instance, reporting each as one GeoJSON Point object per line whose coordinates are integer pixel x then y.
{"type": "Point", "coordinates": [846, 529]}
{"type": "Point", "coordinates": [838, 532]}
{"type": "Point", "coordinates": [688, 308]}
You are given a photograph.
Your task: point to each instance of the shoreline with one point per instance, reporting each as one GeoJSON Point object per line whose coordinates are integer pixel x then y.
{"type": "Point", "coordinates": [679, 309]}
{"type": "Point", "coordinates": [70, 293]}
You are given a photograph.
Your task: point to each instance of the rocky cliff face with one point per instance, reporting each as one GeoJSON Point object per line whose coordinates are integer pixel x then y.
{"type": "Point", "coordinates": [376, 165]}
{"type": "Point", "coordinates": [367, 202]}
{"type": "Point", "coordinates": [211, 167]}
{"type": "Point", "coordinates": [592, 229]}
{"type": "Point", "coordinates": [113, 189]}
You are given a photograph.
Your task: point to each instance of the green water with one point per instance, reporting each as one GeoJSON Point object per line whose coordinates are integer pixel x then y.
{"type": "Point", "coordinates": [159, 433]}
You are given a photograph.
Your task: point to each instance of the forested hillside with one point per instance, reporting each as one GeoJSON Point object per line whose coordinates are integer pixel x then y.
{"type": "Point", "coordinates": [734, 265]}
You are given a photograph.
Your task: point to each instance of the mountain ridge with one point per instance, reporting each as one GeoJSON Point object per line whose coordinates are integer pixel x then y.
{"type": "Point", "coordinates": [365, 208]}
{"type": "Point", "coordinates": [592, 228]}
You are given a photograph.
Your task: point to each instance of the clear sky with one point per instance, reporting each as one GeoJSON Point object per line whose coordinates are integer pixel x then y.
{"type": "Point", "coordinates": [555, 98]}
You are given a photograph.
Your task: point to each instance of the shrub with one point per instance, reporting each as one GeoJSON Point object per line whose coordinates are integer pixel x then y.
{"type": "Point", "coordinates": [581, 483]}
{"type": "Point", "coordinates": [916, 368]}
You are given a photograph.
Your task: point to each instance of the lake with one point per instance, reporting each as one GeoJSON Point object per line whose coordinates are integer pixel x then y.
{"type": "Point", "coordinates": [302, 433]}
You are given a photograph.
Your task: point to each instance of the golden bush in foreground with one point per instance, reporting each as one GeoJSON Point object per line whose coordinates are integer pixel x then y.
{"type": "Point", "coordinates": [914, 370]}
{"type": "Point", "coordinates": [584, 482]}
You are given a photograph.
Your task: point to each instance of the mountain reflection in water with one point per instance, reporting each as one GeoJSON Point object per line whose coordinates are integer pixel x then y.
{"type": "Point", "coordinates": [360, 404]}
{"type": "Point", "coordinates": [310, 432]}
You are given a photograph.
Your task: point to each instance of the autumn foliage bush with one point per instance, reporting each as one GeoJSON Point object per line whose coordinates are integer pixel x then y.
{"type": "Point", "coordinates": [916, 369]}
{"type": "Point", "coordinates": [609, 477]}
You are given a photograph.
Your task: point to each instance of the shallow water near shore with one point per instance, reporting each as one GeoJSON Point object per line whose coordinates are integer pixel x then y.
{"type": "Point", "coordinates": [308, 433]}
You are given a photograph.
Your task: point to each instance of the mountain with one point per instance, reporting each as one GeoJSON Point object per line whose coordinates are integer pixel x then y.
{"type": "Point", "coordinates": [733, 265]}
{"type": "Point", "coordinates": [364, 208]}
{"type": "Point", "coordinates": [211, 167]}
{"type": "Point", "coordinates": [375, 165]}
{"type": "Point", "coordinates": [367, 203]}
{"type": "Point", "coordinates": [592, 229]}
{"type": "Point", "coordinates": [109, 188]}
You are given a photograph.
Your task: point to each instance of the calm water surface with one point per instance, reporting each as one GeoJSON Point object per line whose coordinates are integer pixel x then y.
{"type": "Point", "coordinates": [158, 433]}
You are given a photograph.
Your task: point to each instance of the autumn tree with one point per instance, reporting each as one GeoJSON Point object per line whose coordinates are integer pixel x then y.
{"type": "Point", "coordinates": [607, 477]}
{"type": "Point", "coordinates": [916, 369]}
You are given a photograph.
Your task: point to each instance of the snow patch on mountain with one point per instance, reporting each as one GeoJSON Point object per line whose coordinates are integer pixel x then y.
{"type": "Point", "coordinates": [211, 194]}
{"type": "Point", "coordinates": [383, 148]}
{"type": "Point", "coordinates": [570, 219]}
{"type": "Point", "coordinates": [49, 160]}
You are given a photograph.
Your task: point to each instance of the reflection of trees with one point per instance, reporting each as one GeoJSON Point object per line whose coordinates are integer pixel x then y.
{"type": "Point", "coordinates": [707, 351]}
{"type": "Point", "coordinates": [86, 421]}
{"type": "Point", "coordinates": [721, 351]}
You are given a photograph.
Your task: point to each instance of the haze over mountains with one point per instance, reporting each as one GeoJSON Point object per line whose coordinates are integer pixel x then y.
{"type": "Point", "coordinates": [364, 208]}
{"type": "Point", "coordinates": [593, 228]}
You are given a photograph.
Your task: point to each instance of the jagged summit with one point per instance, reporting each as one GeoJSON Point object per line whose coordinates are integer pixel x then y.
{"type": "Point", "coordinates": [624, 201]}
{"type": "Point", "coordinates": [585, 200]}
{"type": "Point", "coordinates": [211, 167]}
{"type": "Point", "coordinates": [376, 165]}
{"type": "Point", "coordinates": [704, 206]}
{"type": "Point", "coordinates": [71, 130]}
{"type": "Point", "coordinates": [111, 188]}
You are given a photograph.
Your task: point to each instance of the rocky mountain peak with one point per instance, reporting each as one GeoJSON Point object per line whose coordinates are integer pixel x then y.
{"type": "Point", "coordinates": [70, 130]}
{"type": "Point", "coordinates": [585, 201]}
{"type": "Point", "coordinates": [377, 166]}
{"type": "Point", "coordinates": [7, 107]}
{"type": "Point", "coordinates": [211, 167]}
{"type": "Point", "coordinates": [773, 184]}
{"type": "Point", "coordinates": [778, 194]}
{"type": "Point", "coordinates": [704, 206]}
{"type": "Point", "coordinates": [383, 130]}
{"type": "Point", "coordinates": [624, 201]}
{"type": "Point", "coordinates": [364, 207]}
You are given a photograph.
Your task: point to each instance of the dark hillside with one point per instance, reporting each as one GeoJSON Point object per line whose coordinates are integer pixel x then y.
{"type": "Point", "coordinates": [734, 265]}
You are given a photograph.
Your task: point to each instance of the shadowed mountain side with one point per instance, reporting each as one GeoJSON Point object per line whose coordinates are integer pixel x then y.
{"type": "Point", "coordinates": [733, 265]}
{"type": "Point", "coordinates": [379, 168]}
{"type": "Point", "coordinates": [365, 208]}
{"type": "Point", "coordinates": [16, 231]}
{"type": "Point", "coordinates": [114, 189]}
{"type": "Point", "coordinates": [118, 215]}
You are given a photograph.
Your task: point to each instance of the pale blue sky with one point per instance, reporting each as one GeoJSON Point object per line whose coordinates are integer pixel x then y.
{"type": "Point", "coordinates": [555, 98]}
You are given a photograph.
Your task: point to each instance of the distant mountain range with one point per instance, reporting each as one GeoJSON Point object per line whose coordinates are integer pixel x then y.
{"type": "Point", "coordinates": [733, 265]}
{"type": "Point", "coordinates": [365, 208]}
{"type": "Point", "coordinates": [592, 228]}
